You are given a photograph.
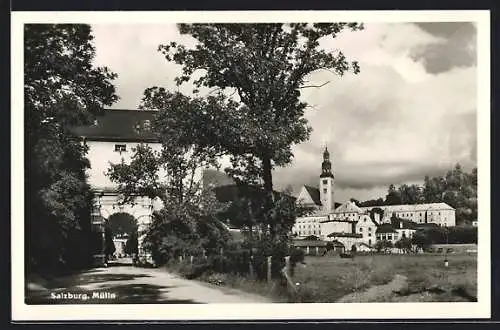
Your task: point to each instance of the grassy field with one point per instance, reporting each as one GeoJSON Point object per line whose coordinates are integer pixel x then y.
{"type": "Point", "coordinates": [326, 279]}
{"type": "Point", "coordinates": [368, 278]}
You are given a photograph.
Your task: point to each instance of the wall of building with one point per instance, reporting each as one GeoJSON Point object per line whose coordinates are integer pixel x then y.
{"type": "Point", "coordinates": [102, 153]}
{"type": "Point", "coordinates": [336, 227]}
{"type": "Point", "coordinates": [392, 237]}
{"type": "Point", "coordinates": [307, 226]}
{"type": "Point", "coordinates": [347, 241]}
{"type": "Point", "coordinates": [367, 228]}
{"type": "Point", "coordinates": [442, 217]}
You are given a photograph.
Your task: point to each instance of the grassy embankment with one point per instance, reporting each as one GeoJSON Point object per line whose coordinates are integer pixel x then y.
{"type": "Point", "coordinates": [327, 279]}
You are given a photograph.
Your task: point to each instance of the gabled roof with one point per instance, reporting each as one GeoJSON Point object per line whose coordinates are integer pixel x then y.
{"type": "Point", "coordinates": [385, 228]}
{"type": "Point", "coordinates": [399, 223]}
{"type": "Point", "coordinates": [120, 125]}
{"type": "Point", "coordinates": [314, 193]}
{"type": "Point", "coordinates": [229, 193]}
{"type": "Point", "coordinates": [348, 207]}
{"type": "Point", "coordinates": [411, 207]}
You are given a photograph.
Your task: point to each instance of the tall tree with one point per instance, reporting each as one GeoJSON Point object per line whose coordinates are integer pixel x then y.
{"type": "Point", "coordinates": [393, 196]}
{"type": "Point", "coordinates": [62, 89]}
{"type": "Point", "coordinates": [266, 65]}
{"type": "Point", "coordinates": [411, 194]}
{"type": "Point", "coordinates": [188, 221]}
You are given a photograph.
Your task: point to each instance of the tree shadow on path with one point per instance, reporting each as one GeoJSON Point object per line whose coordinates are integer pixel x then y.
{"type": "Point", "coordinates": [120, 294]}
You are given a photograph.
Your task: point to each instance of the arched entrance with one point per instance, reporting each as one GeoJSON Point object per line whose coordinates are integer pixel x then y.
{"type": "Point", "coordinates": [107, 206]}
{"type": "Point", "coordinates": [122, 241]}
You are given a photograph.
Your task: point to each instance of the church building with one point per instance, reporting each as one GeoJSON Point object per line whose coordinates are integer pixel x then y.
{"type": "Point", "coordinates": [350, 225]}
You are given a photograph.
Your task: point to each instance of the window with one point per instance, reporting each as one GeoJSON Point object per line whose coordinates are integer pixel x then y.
{"type": "Point", "coordinates": [369, 234]}
{"type": "Point", "coordinates": [325, 181]}
{"type": "Point", "coordinates": [369, 228]}
{"type": "Point", "coordinates": [325, 191]}
{"type": "Point", "coordinates": [120, 147]}
{"type": "Point", "coordinates": [389, 237]}
{"type": "Point", "coordinates": [361, 230]}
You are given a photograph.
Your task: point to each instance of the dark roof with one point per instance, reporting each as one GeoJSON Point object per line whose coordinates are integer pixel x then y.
{"type": "Point", "coordinates": [119, 125]}
{"type": "Point", "coordinates": [337, 234]}
{"type": "Point", "coordinates": [426, 225]}
{"type": "Point", "coordinates": [308, 243]}
{"type": "Point", "coordinates": [385, 228]}
{"type": "Point", "coordinates": [406, 224]}
{"type": "Point", "coordinates": [340, 220]}
{"type": "Point", "coordinates": [229, 193]}
{"type": "Point", "coordinates": [314, 193]}
{"type": "Point", "coordinates": [337, 243]}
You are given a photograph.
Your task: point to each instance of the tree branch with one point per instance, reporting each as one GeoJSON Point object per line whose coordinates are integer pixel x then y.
{"type": "Point", "coordinates": [315, 86]}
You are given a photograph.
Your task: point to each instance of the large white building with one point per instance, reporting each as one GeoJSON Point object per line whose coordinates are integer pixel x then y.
{"type": "Point", "coordinates": [350, 224]}
{"type": "Point", "coordinates": [111, 140]}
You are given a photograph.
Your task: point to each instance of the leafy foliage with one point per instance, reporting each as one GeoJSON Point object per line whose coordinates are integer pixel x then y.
{"type": "Point", "coordinates": [446, 235]}
{"type": "Point", "coordinates": [132, 244]}
{"type": "Point", "coordinates": [187, 222]}
{"type": "Point", "coordinates": [404, 244]}
{"type": "Point", "coordinates": [457, 189]}
{"type": "Point", "coordinates": [109, 245]}
{"type": "Point", "coordinates": [61, 89]}
{"type": "Point", "coordinates": [266, 65]}
{"type": "Point", "coordinates": [122, 223]}
{"type": "Point", "coordinates": [421, 240]}
{"type": "Point", "coordinates": [383, 245]}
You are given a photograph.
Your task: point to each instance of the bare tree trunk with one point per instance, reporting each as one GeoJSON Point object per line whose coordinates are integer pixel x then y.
{"type": "Point", "coordinates": [268, 190]}
{"type": "Point", "coordinates": [250, 214]}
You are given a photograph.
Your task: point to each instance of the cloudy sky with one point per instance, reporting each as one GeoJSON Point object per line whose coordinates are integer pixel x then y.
{"type": "Point", "coordinates": [410, 112]}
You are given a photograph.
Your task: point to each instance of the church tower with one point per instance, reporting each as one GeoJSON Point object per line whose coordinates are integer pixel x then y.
{"type": "Point", "coordinates": [326, 184]}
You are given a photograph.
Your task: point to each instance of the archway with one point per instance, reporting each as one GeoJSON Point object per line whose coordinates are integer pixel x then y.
{"type": "Point", "coordinates": [122, 238]}
{"type": "Point", "coordinates": [106, 205]}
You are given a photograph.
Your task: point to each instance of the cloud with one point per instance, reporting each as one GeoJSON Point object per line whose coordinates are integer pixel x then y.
{"type": "Point", "coordinates": [394, 122]}
{"type": "Point", "coordinates": [131, 51]}
{"type": "Point", "coordinates": [407, 114]}
{"type": "Point", "coordinates": [458, 48]}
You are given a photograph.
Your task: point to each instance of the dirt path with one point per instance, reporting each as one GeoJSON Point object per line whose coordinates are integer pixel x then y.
{"type": "Point", "coordinates": [126, 284]}
{"type": "Point", "coordinates": [376, 293]}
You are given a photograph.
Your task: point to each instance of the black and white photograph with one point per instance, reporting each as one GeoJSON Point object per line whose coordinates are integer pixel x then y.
{"type": "Point", "coordinates": [262, 166]}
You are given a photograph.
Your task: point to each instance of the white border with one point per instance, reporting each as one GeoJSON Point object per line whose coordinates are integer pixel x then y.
{"type": "Point", "coordinates": [23, 312]}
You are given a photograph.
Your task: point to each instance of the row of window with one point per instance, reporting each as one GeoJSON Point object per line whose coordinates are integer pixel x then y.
{"type": "Point", "coordinates": [389, 237]}
{"type": "Point", "coordinates": [309, 232]}
{"type": "Point", "coordinates": [421, 214]}
{"type": "Point", "coordinates": [304, 226]}
{"type": "Point", "coordinates": [308, 221]}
